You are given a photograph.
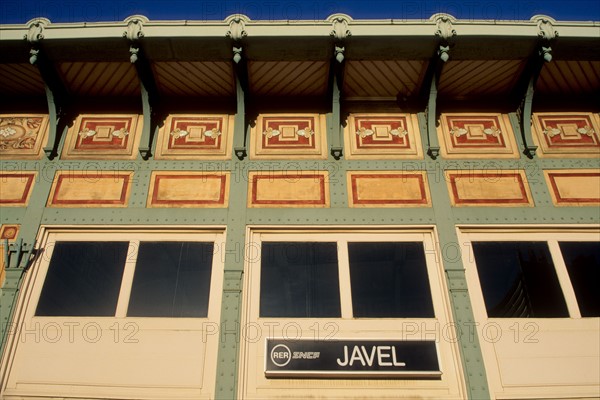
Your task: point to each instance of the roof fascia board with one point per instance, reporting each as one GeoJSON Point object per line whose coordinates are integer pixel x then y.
{"type": "Point", "coordinates": [364, 28]}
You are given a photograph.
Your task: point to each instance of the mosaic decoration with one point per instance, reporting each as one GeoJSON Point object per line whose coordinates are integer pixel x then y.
{"type": "Point", "coordinates": [188, 189]}
{"type": "Point", "coordinates": [278, 189]}
{"type": "Point", "coordinates": [284, 136]}
{"type": "Point", "coordinates": [23, 136]}
{"type": "Point", "coordinates": [488, 188]}
{"type": "Point", "coordinates": [567, 134]}
{"type": "Point", "coordinates": [16, 188]}
{"type": "Point", "coordinates": [90, 189]}
{"type": "Point", "coordinates": [104, 136]}
{"type": "Point", "coordinates": [574, 187]}
{"type": "Point", "coordinates": [382, 136]}
{"type": "Point", "coordinates": [195, 137]}
{"type": "Point", "coordinates": [388, 189]}
{"type": "Point", "coordinates": [476, 136]}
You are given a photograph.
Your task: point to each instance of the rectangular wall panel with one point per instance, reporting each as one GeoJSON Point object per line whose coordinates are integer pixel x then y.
{"type": "Point", "coordinates": [90, 189]}
{"type": "Point", "coordinates": [188, 189]}
{"type": "Point", "coordinates": [574, 187]}
{"type": "Point", "coordinates": [388, 189]}
{"type": "Point", "coordinates": [16, 188]}
{"type": "Point", "coordinates": [288, 189]}
{"type": "Point", "coordinates": [485, 188]}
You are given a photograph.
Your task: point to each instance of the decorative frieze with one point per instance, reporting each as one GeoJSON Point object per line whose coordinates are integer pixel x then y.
{"type": "Point", "coordinates": [23, 135]}
{"type": "Point", "coordinates": [277, 189]}
{"type": "Point", "coordinates": [284, 136]}
{"type": "Point", "coordinates": [382, 136]}
{"type": "Point", "coordinates": [388, 189]}
{"type": "Point", "coordinates": [103, 136]}
{"type": "Point", "coordinates": [16, 188]}
{"type": "Point", "coordinates": [574, 187]}
{"type": "Point", "coordinates": [189, 189]}
{"type": "Point", "coordinates": [90, 189]}
{"type": "Point", "coordinates": [488, 188]}
{"type": "Point", "coordinates": [567, 134]}
{"type": "Point", "coordinates": [477, 136]}
{"type": "Point", "coordinates": [190, 137]}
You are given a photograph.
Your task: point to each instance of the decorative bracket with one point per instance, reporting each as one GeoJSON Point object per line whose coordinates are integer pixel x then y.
{"type": "Point", "coordinates": [56, 94]}
{"type": "Point", "coordinates": [148, 88]}
{"type": "Point", "coordinates": [237, 32]}
{"type": "Point", "coordinates": [526, 88]}
{"type": "Point", "coordinates": [17, 255]}
{"type": "Point", "coordinates": [445, 33]}
{"type": "Point", "coordinates": [339, 32]}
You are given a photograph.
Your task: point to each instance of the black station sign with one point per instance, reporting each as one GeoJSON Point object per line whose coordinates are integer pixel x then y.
{"type": "Point", "coordinates": [351, 358]}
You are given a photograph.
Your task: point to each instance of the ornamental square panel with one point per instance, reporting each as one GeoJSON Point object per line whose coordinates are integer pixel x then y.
{"type": "Point", "coordinates": [23, 135]}
{"type": "Point", "coordinates": [574, 187]}
{"type": "Point", "coordinates": [277, 189]}
{"type": "Point", "coordinates": [114, 136]}
{"type": "Point", "coordinates": [284, 136]}
{"type": "Point", "coordinates": [476, 136]}
{"type": "Point", "coordinates": [16, 188]}
{"type": "Point", "coordinates": [188, 189]}
{"type": "Point", "coordinates": [388, 189]}
{"type": "Point", "coordinates": [488, 188]}
{"type": "Point", "coordinates": [382, 136]}
{"type": "Point", "coordinates": [195, 136]}
{"type": "Point", "coordinates": [90, 189]}
{"type": "Point", "coordinates": [567, 134]}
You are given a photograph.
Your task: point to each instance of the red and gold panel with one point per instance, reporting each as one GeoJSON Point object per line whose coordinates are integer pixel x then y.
{"type": "Point", "coordinates": [189, 189]}
{"type": "Point", "coordinates": [195, 137]}
{"type": "Point", "coordinates": [90, 189]}
{"type": "Point", "coordinates": [489, 188]}
{"type": "Point", "coordinates": [278, 136]}
{"type": "Point", "coordinates": [104, 136]}
{"type": "Point", "coordinates": [377, 136]}
{"type": "Point", "coordinates": [574, 187]}
{"type": "Point", "coordinates": [15, 188]}
{"type": "Point", "coordinates": [23, 135]}
{"type": "Point", "coordinates": [388, 189]}
{"type": "Point", "coordinates": [477, 136]}
{"type": "Point", "coordinates": [567, 134]}
{"type": "Point", "coordinates": [277, 189]}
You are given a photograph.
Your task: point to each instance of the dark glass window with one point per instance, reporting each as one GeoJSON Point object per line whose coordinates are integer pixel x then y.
{"type": "Point", "coordinates": [172, 279]}
{"type": "Point", "coordinates": [83, 279]}
{"type": "Point", "coordinates": [389, 280]}
{"type": "Point", "coordinates": [518, 279]}
{"type": "Point", "coordinates": [299, 280]}
{"type": "Point", "coordinates": [583, 263]}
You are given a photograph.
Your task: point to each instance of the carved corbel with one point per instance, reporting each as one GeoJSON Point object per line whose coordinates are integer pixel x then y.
{"type": "Point", "coordinates": [546, 36]}
{"type": "Point", "coordinates": [339, 32]}
{"type": "Point", "coordinates": [56, 94]}
{"type": "Point", "coordinates": [237, 32]}
{"type": "Point", "coordinates": [149, 92]}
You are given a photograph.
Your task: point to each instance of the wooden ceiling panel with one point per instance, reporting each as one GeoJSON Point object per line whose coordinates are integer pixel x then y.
{"type": "Point", "coordinates": [569, 77]}
{"type": "Point", "coordinates": [195, 79]}
{"type": "Point", "coordinates": [104, 79]}
{"type": "Point", "coordinates": [288, 78]}
{"type": "Point", "coordinates": [383, 79]}
{"type": "Point", "coordinates": [20, 80]}
{"type": "Point", "coordinates": [464, 79]}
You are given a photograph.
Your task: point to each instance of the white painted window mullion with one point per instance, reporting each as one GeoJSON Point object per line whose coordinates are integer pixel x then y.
{"type": "Point", "coordinates": [344, 276]}
{"type": "Point", "coordinates": [563, 278]}
{"type": "Point", "coordinates": [127, 280]}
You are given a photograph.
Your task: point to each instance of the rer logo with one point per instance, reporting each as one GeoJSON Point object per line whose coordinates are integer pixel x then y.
{"type": "Point", "coordinates": [281, 355]}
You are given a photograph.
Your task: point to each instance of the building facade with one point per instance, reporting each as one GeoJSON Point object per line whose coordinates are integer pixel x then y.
{"type": "Point", "coordinates": [301, 209]}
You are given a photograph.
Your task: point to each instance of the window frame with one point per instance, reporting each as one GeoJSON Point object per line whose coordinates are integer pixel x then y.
{"type": "Point", "coordinates": [133, 236]}
{"type": "Point", "coordinates": [550, 235]}
{"type": "Point", "coordinates": [342, 238]}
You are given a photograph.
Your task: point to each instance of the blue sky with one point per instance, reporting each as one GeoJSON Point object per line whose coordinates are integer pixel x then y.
{"type": "Point", "coordinates": [20, 11]}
